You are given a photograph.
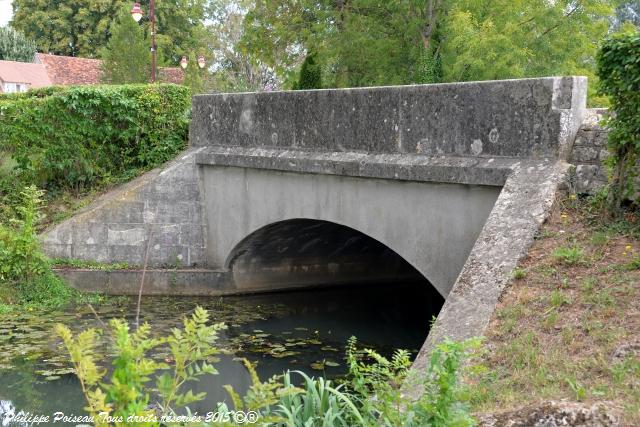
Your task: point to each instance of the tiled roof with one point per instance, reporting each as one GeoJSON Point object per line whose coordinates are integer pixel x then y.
{"type": "Point", "coordinates": [67, 70]}
{"type": "Point", "coordinates": [171, 75]}
{"type": "Point", "coordinates": [34, 75]}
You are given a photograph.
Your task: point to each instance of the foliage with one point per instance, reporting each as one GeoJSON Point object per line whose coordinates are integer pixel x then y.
{"type": "Point", "coordinates": [14, 46]}
{"type": "Point", "coordinates": [193, 76]}
{"type": "Point", "coordinates": [628, 11]}
{"type": "Point", "coordinates": [83, 27]}
{"type": "Point", "coordinates": [125, 394]}
{"type": "Point", "coordinates": [619, 71]}
{"type": "Point", "coordinates": [90, 265]}
{"type": "Point", "coordinates": [366, 42]}
{"type": "Point", "coordinates": [84, 136]}
{"type": "Point", "coordinates": [126, 57]}
{"type": "Point", "coordinates": [25, 273]}
{"type": "Point", "coordinates": [235, 68]}
{"type": "Point", "coordinates": [310, 74]}
{"type": "Point", "coordinates": [378, 387]}
{"type": "Point", "coordinates": [371, 396]}
{"type": "Point", "coordinates": [20, 256]}
{"type": "Point", "coordinates": [70, 27]}
{"type": "Point", "coordinates": [569, 255]}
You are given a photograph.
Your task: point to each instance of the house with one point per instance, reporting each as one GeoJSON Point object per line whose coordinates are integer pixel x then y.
{"type": "Point", "coordinates": [48, 70]}
{"type": "Point", "coordinates": [69, 70]}
{"type": "Point", "coordinates": [21, 76]}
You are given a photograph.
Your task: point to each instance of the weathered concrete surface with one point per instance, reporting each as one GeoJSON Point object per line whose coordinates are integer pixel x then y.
{"type": "Point", "coordinates": [165, 202]}
{"type": "Point", "coordinates": [190, 282]}
{"type": "Point", "coordinates": [523, 118]}
{"type": "Point", "coordinates": [431, 225]}
{"type": "Point", "coordinates": [201, 282]}
{"type": "Point", "coordinates": [521, 208]}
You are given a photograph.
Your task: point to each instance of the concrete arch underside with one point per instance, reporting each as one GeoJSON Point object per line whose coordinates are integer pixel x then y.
{"type": "Point", "coordinates": [251, 212]}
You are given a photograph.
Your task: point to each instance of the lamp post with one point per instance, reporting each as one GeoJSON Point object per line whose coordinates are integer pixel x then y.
{"type": "Point", "coordinates": [136, 13]}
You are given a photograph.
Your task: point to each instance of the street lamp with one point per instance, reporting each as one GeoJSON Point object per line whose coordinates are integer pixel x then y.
{"type": "Point", "coordinates": [136, 13]}
{"type": "Point", "coordinates": [184, 62]}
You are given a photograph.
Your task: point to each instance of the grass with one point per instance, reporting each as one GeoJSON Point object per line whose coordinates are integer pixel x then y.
{"type": "Point", "coordinates": [557, 327]}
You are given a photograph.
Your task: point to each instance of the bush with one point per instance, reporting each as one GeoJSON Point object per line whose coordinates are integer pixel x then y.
{"type": "Point", "coordinates": [619, 72]}
{"type": "Point", "coordinates": [25, 272]}
{"type": "Point", "coordinates": [75, 138]}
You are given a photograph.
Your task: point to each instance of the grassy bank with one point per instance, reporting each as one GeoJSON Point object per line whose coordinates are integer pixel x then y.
{"type": "Point", "coordinates": [565, 328]}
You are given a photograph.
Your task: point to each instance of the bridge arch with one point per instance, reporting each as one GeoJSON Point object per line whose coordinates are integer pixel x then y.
{"type": "Point", "coordinates": [433, 226]}
{"type": "Point", "coordinates": [303, 252]}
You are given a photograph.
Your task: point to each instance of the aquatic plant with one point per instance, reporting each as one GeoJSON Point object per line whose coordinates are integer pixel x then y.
{"type": "Point", "coordinates": [371, 395]}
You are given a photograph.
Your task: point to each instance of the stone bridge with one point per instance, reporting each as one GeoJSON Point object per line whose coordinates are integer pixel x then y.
{"type": "Point", "coordinates": [447, 182]}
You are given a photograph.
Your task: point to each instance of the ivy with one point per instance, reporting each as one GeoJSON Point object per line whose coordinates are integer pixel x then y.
{"type": "Point", "coordinates": [75, 138]}
{"type": "Point", "coordinates": [619, 72]}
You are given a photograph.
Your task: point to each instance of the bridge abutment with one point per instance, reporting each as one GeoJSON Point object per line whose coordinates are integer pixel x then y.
{"type": "Point", "coordinates": [454, 179]}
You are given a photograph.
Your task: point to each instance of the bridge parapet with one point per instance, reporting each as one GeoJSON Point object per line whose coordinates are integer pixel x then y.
{"type": "Point", "coordinates": [534, 118]}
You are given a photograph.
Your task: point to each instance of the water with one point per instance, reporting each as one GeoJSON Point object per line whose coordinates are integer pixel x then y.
{"type": "Point", "coordinates": [295, 330]}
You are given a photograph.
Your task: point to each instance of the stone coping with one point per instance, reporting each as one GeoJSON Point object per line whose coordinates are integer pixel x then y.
{"type": "Point", "coordinates": [493, 171]}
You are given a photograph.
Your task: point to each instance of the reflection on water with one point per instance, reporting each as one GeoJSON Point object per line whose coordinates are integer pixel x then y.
{"type": "Point", "coordinates": [296, 330]}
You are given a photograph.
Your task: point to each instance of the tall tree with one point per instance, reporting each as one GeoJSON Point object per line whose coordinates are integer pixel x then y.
{"type": "Point", "coordinates": [193, 77]}
{"type": "Point", "coordinates": [66, 27]}
{"type": "Point", "coordinates": [83, 27]}
{"type": "Point", "coordinates": [310, 74]}
{"type": "Point", "coordinates": [367, 42]}
{"type": "Point", "coordinates": [127, 57]}
{"type": "Point", "coordinates": [14, 46]}
{"type": "Point", "coordinates": [235, 67]}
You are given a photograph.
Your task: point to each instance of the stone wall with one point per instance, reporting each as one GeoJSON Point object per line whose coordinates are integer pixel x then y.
{"type": "Point", "coordinates": [517, 118]}
{"type": "Point", "coordinates": [589, 153]}
{"type": "Point", "coordinates": [165, 203]}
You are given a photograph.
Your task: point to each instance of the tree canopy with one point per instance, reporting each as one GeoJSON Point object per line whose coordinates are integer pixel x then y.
{"type": "Point", "coordinates": [127, 57]}
{"type": "Point", "coordinates": [14, 46]}
{"type": "Point", "coordinates": [83, 27]}
{"type": "Point", "coordinates": [370, 42]}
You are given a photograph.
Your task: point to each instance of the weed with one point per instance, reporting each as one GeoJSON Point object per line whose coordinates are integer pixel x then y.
{"type": "Point", "coordinates": [588, 285]}
{"type": "Point", "coordinates": [568, 255]}
{"type": "Point", "coordinates": [550, 320]}
{"type": "Point", "coordinates": [634, 264]}
{"type": "Point", "coordinates": [578, 389]}
{"type": "Point", "coordinates": [559, 298]}
{"type": "Point", "coordinates": [599, 238]}
{"type": "Point", "coordinates": [519, 273]}
{"type": "Point", "coordinates": [89, 265]}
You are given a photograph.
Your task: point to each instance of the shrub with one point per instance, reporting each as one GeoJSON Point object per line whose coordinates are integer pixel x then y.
{"type": "Point", "coordinates": [442, 402]}
{"type": "Point", "coordinates": [78, 137]}
{"type": "Point", "coordinates": [619, 71]}
{"type": "Point", "coordinates": [25, 272]}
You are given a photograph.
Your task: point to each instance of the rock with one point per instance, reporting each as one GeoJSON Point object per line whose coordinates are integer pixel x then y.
{"type": "Point", "coordinates": [630, 349]}
{"type": "Point", "coordinates": [555, 414]}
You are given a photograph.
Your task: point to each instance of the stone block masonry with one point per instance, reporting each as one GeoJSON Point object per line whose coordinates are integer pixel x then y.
{"type": "Point", "coordinates": [589, 153]}
{"type": "Point", "coordinates": [165, 203]}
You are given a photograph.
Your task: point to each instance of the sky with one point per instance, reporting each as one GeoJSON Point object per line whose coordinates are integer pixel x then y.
{"type": "Point", "coordinates": [5, 12]}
